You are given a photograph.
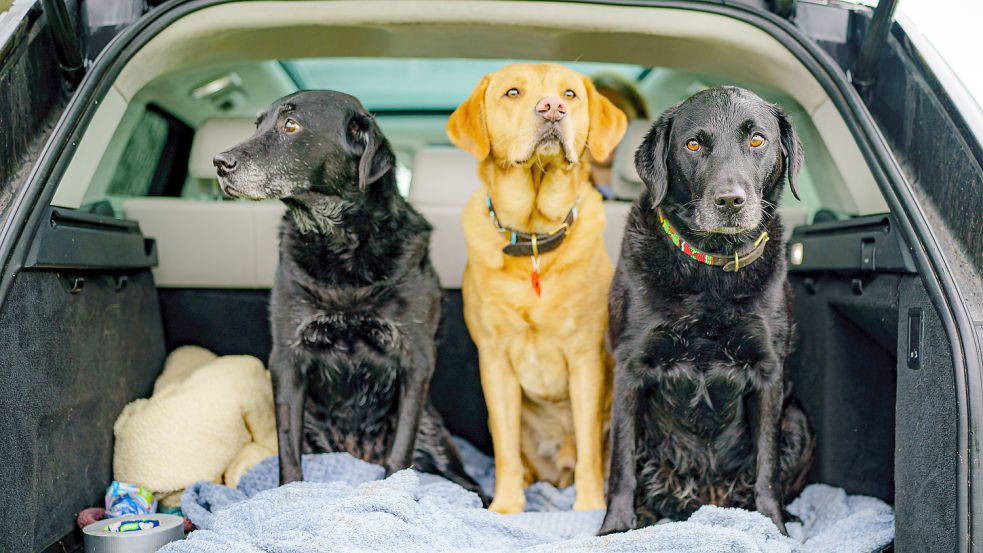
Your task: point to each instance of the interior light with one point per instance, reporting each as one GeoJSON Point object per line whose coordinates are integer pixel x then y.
{"type": "Point", "coordinates": [215, 86]}
{"type": "Point", "coordinates": [796, 252]}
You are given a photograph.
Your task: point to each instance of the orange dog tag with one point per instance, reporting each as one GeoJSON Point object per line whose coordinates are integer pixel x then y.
{"type": "Point", "coordinates": [534, 276]}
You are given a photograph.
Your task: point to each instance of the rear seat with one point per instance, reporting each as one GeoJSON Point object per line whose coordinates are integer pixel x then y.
{"type": "Point", "coordinates": [443, 180]}
{"type": "Point", "coordinates": [211, 243]}
{"type": "Point", "coordinates": [212, 137]}
{"type": "Point", "coordinates": [627, 184]}
{"type": "Point", "coordinates": [226, 244]}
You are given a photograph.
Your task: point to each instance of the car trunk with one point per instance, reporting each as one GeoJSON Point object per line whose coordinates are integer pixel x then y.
{"type": "Point", "coordinates": [83, 332]}
{"type": "Point", "coordinates": [870, 367]}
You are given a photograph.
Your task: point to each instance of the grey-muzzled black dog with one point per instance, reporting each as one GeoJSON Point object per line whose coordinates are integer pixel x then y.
{"type": "Point", "coordinates": [700, 319]}
{"type": "Point", "coordinates": [355, 306]}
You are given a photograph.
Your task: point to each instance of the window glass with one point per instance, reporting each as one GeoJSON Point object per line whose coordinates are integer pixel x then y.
{"type": "Point", "coordinates": [134, 174]}
{"type": "Point", "coordinates": [414, 84]}
{"type": "Point", "coordinates": [411, 99]}
{"type": "Point", "coordinates": [951, 27]}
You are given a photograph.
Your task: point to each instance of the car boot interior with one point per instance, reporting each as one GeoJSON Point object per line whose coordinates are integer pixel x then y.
{"type": "Point", "coordinates": [871, 362]}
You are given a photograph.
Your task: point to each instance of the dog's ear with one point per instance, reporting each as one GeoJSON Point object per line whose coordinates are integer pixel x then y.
{"type": "Point", "coordinates": [466, 127]}
{"type": "Point", "coordinates": [366, 140]}
{"type": "Point", "coordinates": [792, 154]}
{"type": "Point", "coordinates": [652, 157]}
{"type": "Point", "coordinates": [607, 123]}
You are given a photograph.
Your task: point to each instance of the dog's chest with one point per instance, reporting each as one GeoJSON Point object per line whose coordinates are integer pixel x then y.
{"type": "Point", "coordinates": [700, 401]}
{"type": "Point", "coordinates": [357, 360]}
{"type": "Point", "coordinates": [353, 332]}
{"type": "Point", "coordinates": [352, 390]}
{"type": "Point", "coordinates": [350, 405]}
{"type": "Point", "coordinates": [700, 375]}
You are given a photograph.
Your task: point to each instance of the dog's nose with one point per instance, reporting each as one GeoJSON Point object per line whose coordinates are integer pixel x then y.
{"type": "Point", "coordinates": [224, 163]}
{"type": "Point", "coordinates": [730, 199]}
{"type": "Point", "coordinates": [551, 108]}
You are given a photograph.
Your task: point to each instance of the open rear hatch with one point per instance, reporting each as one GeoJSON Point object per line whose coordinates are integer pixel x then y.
{"type": "Point", "coordinates": [84, 327]}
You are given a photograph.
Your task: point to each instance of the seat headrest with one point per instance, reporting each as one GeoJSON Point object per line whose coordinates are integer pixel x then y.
{"type": "Point", "coordinates": [443, 176]}
{"type": "Point", "coordinates": [626, 183]}
{"type": "Point", "coordinates": [214, 136]}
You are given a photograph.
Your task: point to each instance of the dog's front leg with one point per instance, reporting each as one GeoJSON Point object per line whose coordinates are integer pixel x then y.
{"type": "Point", "coordinates": [503, 396]}
{"type": "Point", "coordinates": [412, 396]}
{"type": "Point", "coordinates": [587, 391]}
{"type": "Point", "coordinates": [622, 483]}
{"type": "Point", "coordinates": [288, 396]}
{"type": "Point", "coordinates": [768, 483]}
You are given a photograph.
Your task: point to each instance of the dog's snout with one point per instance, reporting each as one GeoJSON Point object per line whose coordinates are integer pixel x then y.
{"type": "Point", "coordinates": [225, 163]}
{"type": "Point", "coordinates": [551, 108]}
{"type": "Point", "coordinates": [731, 198]}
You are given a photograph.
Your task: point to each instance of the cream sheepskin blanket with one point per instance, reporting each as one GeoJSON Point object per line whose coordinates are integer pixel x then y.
{"type": "Point", "coordinates": [210, 418]}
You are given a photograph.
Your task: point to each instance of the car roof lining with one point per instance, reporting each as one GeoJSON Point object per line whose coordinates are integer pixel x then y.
{"type": "Point", "coordinates": [664, 37]}
{"type": "Point", "coordinates": [687, 40]}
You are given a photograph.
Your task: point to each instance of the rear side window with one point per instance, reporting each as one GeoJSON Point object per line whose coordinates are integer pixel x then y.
{"type": "Point", "coordinates": [147, 156]}
{"type": "Point", "coordinates": [134, 176]}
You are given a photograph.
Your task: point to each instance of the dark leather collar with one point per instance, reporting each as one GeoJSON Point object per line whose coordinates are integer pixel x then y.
{"type": "Point", "coordinates": [525, 244]}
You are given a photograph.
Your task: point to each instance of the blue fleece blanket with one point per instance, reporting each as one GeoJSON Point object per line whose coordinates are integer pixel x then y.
{"type": "Point", "coordinates": [344, 506]}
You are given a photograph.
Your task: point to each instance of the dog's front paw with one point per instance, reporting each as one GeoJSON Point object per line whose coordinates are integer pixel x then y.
{"type": "Point", "coordinates": [780, 524]}
{"type": "Point", "coordinates": [617, 520]}
{"type": "Point", "coordinates": [773, 510]}
{"type": "Point", "coordinates": [392, 469]}
{"type": "Point", "coordinates": [508, 504]}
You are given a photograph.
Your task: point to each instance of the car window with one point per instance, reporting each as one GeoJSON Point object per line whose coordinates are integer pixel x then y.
{"type": "Point", "coordinates": [134, 174]}
{"type": "Point", "coordinates": [147, 156]}
{"type": "Point", "coordinates": [154, 153]}
{"type": "Point", "coordinates": [950, 27]}
{"type": "Point", "coordinates": [423, 84]}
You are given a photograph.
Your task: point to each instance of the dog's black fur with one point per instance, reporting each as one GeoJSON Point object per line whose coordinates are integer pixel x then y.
{"type": "Point", "coordinates": [702, 413]}
{"type": "Point", "coordinates": [356, 303]}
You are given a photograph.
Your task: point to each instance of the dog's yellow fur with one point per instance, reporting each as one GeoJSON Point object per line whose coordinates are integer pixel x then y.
{"type": "Point", "coordinates": [544, 370]}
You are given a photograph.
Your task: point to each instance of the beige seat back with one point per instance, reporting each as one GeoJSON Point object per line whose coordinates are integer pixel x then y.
{"type": "Point", "coordinates": [213, 137]}
{"type": "Point", "coordinates": [211, 243]}
{"type": "Point", "coordinates": [443, 180]}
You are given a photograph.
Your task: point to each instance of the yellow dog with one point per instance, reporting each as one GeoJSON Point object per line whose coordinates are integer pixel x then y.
{"type": "Point", "coordinates": [536, 283]}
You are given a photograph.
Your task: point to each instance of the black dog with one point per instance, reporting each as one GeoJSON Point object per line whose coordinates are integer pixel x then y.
{"type": "Point", "coordinates": [700, 411]}
{"type": "Point", "coordinates": [356, 303]}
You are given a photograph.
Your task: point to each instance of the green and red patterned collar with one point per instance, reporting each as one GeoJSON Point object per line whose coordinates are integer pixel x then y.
{"type": "Point", "coordinates": [730, 263]}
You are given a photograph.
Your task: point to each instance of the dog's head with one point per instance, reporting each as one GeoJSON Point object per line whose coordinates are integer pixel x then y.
{"type": "Point", "coordinates": [313, 141]}
{"type": "Point", "coordinates": [536, 112]}
{"type": "Point", "coordinates": [718, 160]}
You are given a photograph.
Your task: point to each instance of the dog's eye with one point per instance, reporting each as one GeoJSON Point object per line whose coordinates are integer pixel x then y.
{"type": "Point", "coordinates": [290, 126]}
{"type": "Point", "coordinates": [756, 141]}
{"type": "Point", "coordinates": [570, 94]}
{"type": "Point", "coordinates": [512, 93]}
{"type": "Point", "coordinates": [693, 145]}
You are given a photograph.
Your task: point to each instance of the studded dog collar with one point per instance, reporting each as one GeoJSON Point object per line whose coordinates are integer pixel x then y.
{"type": "Point", "coordinates": [730, 263]}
